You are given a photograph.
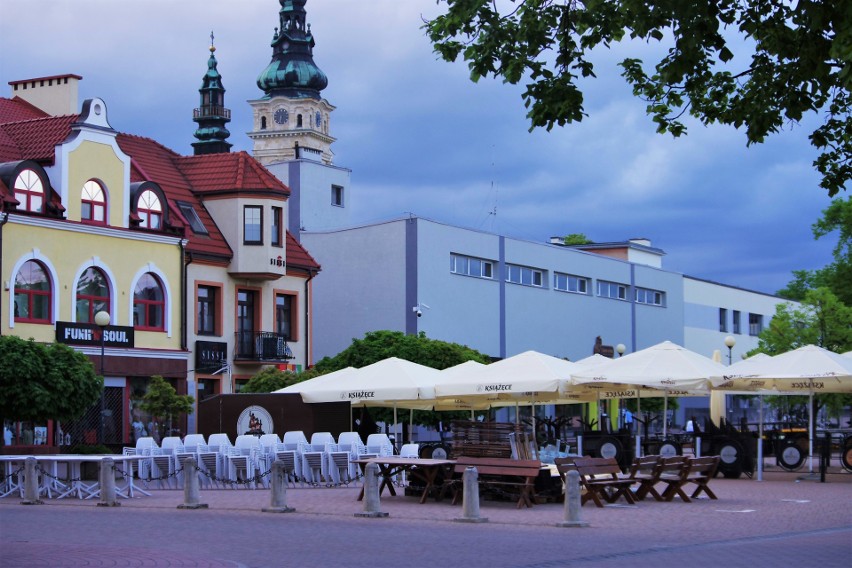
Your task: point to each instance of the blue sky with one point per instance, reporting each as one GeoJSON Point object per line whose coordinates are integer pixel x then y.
{"type": "Point", "coordinates": [421, 138]}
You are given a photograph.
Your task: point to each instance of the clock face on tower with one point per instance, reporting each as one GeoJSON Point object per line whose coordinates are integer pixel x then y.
{"type": "Point", "coordinates": [281, 116]}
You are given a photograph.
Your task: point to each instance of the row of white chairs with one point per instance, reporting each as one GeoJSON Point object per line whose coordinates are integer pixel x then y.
{"type": "Point", "coordinates": [249, 458]}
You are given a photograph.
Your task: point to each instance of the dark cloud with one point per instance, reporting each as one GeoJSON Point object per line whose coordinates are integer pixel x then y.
{"type": "Point", "coordinates": [421, 137]}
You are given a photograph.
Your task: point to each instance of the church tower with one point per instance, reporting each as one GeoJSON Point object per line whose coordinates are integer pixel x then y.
{"type": "Point", "coordinates": [291, 120]}
{"type": "Point", "coordinates": [212, 115]}
{"type": "Point", "coordinates": [291, 128]}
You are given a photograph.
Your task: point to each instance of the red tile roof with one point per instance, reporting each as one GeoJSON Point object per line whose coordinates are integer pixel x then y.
{"type": "Point", "coordinates": [28, 133]}
{"type": "Point", "coordinates": [228, 173]}
{"type": "Point", "coordinates": [298, 257]}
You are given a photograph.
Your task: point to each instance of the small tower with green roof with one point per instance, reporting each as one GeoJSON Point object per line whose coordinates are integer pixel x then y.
{"type": "Point", "coordinates": [212, 115]}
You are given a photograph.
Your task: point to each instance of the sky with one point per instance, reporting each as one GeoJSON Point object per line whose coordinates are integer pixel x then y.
{"type": "Point", "coordinates": [421, 138]}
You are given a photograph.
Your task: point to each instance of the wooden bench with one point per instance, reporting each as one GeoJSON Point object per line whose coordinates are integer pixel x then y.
{"type": "Point", "coordinates": [698, 471]}
{"type": "Point", "coordinates": [517, 474]}
{"type": "Point", "coordinates": [602, 479]}
{"type": "Point", "coordinates": [647, 471]}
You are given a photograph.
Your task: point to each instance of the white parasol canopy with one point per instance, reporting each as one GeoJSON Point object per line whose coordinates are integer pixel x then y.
{"type": "Point", "coordinates": [666, 366]}
{"type": "Point", "coordinates": [528, 374]}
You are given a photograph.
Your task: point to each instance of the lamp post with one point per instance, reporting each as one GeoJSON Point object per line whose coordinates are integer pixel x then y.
{"type": "Point", "coordinates": [102, 321]}
{"type": "Point", "coordinates": [620, 349]}
{"type": "Point", "coordinates": [729, 343]}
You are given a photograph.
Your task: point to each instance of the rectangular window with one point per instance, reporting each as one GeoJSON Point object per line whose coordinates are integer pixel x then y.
{"type": "Point", "coordinates": [647, 296]}
{"type": "Point", "coordinates": [737, 322]}
{"type": "Point", "coordinates": [253, 225]}
{"type": "Point", "coordinates": [470, 266]}
{"type": "Point", "coordinates": [245, 323]}
{"type": "Point", "coordinates": [755, 324]}
{"type": "Point", "coordinates": [275, 225]}
{"type": "Point", "coordinates": [570, 283]}
{"type": "Point", "coordinates": [524, 275]}
{"type": "Point", "coordinates": [612, 290]}
{"type": "Point", "coordinates": [284, 324]}
{"type": "Point", "coordinates": [207, 310]}
{"type": "Point", "coordinates": [337, 195]}
{"type": "Point", "coordinates": [723, 320]}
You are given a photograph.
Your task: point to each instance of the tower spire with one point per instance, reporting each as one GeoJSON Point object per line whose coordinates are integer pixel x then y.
{"type": "Point", "coordinates": [212, 115]}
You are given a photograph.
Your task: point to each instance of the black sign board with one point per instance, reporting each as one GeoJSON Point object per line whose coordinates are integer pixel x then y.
{"type": "Point", "coordinates": [74, 333]}
{"type": "Point", "coordinates": [210, 356]}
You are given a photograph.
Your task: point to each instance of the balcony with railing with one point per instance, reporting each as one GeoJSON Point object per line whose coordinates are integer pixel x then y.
{"type": "Point", "coordinates": [212, 111]}
{"type": "Point", "coordinates": [261, 347]}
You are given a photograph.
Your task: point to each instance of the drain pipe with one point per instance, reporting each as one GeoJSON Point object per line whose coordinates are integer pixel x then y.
{"type": "Point", "coordinates": [3, 222]}
{"type": "Point", "coordinates": [308, 301]}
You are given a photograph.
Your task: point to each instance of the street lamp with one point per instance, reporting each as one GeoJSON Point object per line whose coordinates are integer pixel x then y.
{"type": "Point", "coordinates": [729, 343]}
{"type": "Point", "coordinates": [102, 321]}
{"type": "Point", "coordinates": [620, 349]}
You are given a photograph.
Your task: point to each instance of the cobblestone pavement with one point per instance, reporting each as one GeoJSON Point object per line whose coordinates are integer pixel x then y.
{"type": "Point", "coordinates": [780, 521]}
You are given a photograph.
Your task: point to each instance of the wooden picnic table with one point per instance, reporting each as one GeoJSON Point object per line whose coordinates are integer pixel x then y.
{"type": "Point", "coordinates": [424, 469]}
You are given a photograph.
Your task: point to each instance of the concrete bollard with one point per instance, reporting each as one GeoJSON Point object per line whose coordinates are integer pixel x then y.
{"type": "Point", "coordinates": [470, 497]}
{"type": "Point", "coordinates": [191, 487]}
{"type": "Point", "coordinates": [573, 502]}
{"type": "Point", "coordinates": [31, 483]}
{"type": "Point", "coordinates": [371, 493]}
{"type": "Point", "coordinates": [106, 478]}
{"type": "Point", "coordinates": [278, 485]}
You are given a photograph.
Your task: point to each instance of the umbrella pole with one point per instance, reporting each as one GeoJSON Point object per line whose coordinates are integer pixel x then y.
{"type": "Point", "coordinates": [410, 425]}
{"type": "Point", "coordinates": [811, 428]}
{"type": "Point", "coordinates": [760, 440]}
{"type": "Point", "coordinates": [395, 423]}
{"type": "Point", "coordinates": [638, 424]}
{"type": "Point", "coordinates": [665, 411]}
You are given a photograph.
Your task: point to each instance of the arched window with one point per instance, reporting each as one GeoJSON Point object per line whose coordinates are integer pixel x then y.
{"type": "Point", "coordinates": [32, 293]}
{"type": "Point", "coordinates": [92, 295]}
{"type": "Point", "coordinates": [149, 304]}
{"type": "Point", "coordinates": [29, 191]}
{"type": "Point", "coordinates": [150, 210]}
{"type": "Point", "coordinates": [93, 203]}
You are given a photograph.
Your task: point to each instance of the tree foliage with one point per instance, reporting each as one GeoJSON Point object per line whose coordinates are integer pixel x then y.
{"type": "Point", "coordinates": [800, 62]}
{"type": "Point", "coordinates": [378, 345]}
{"type": "Point", "coordinates": [162, 401]}
{"type": "Point", "coordinates": [40, 383]}
{"type": "Point", "coordinates": [576, 239]}
{"type": "Point", "coordinates": [837, 276]}
{"type": "Point", "coordinates": [271, 379]}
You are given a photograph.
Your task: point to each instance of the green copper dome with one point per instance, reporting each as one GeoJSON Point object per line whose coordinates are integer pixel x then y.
{"type": "Point", "coordinates": [292, 71]}
{"type": "Point", "coordinates": [211, 115]}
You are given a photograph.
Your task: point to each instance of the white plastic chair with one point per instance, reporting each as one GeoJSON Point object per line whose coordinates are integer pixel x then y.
{"type": "Point", "coordinates": [349, 447]}
{"type": "Point", "coordinates": [268, 443]}
{"type": "Point", "coordinates": [379, 444]}
{"type": "Point", "coordinates": [214, 457]}
{"type": "Point", "coordinates": [294, 441]}
{"type": "Point", "coordinates": [191, 443]}
{"type": "Point", "coordinates": [314, 465]}
{"type": "Point", "coordinates": [143, 448]}
{"type": "Point", "coordinates": [163, 460]}
{"type": "Point", "coordinates": [242, 458]}
{"type": "Point", "coordinates": [408, 451]}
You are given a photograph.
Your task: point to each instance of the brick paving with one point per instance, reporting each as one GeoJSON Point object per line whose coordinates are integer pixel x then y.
{"type": "Point", "coordinates": [780, 521]}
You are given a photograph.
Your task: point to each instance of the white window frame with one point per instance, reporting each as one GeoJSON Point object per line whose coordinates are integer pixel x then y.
{"type": "Point", "coordinates": [649, 297]}
{"type": "Point", "coordinates": [471, 266]}
{"type": "Point", "coordinates": [524, 275]}
{"type": "Point", "coordinates": [570, 283]}
{"type": "Point", "coordinates": [606, 288]}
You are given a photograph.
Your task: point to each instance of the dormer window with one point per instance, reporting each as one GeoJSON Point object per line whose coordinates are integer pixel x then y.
{"type": "Point", "coordinates": [150, 210]}
{"type": "Point", "coordinates": [93, 203]}
{"type": "Point", "coordinates": [29, 191]}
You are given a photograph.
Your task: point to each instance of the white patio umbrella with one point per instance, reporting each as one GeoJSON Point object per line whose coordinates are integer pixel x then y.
{"type": "Point", "coordinates": [527, 376]}
{"type": "Point", "coordinates": [665, 366]}
{"type": "Point", "coordinates": [805, 370]}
